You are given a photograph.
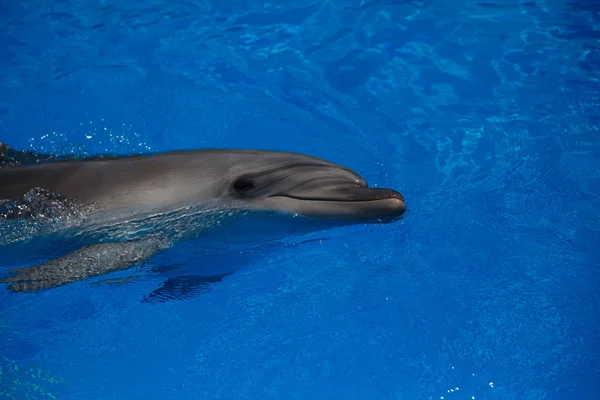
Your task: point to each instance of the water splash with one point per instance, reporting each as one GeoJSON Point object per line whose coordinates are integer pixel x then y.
{"type": "Point", "coordinates": [92, 138]}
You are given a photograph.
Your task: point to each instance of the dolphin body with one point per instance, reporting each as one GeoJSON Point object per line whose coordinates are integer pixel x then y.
{"type": "Point", "coordinates": [118, 192]}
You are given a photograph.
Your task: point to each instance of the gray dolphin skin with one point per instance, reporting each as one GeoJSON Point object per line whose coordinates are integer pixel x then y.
{"type": "Point", "coordinates": [118, 189]}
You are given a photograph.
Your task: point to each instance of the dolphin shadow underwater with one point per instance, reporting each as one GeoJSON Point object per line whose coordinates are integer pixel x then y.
{"type": "Point", "coordinates": [193, 267]}
{"type": "Point", "coordinates": [112, 213]}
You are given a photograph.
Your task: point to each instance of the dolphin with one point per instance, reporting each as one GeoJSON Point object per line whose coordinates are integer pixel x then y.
{"type": "Point", "coordinates": [177, 189]}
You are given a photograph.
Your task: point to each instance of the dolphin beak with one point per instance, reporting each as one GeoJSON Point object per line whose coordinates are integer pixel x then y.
{"type": "Point", "coordinates": [374, 203]}
{"type": "Point", "coordinates": [349, 203]}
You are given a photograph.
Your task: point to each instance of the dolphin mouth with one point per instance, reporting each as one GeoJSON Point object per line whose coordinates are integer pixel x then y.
{"type": "Point", "coordinates": [348, 195]}
{"type": "Point", "coordinates": [353, 203]}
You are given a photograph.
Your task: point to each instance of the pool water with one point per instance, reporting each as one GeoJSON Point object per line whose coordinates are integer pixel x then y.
{"type": "Point", "coordinates": [484, 115]}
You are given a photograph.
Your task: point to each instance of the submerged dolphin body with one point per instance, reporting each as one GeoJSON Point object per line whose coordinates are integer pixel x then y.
{"type": "Point", "coordinates": [120, 190]}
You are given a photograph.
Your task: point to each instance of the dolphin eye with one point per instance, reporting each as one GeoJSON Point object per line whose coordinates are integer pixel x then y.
{"type": "Point", "coordinates": [243, 184]}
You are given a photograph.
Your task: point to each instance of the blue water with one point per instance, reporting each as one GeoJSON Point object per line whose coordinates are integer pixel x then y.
{"type": "Point", "coordinates": [485, 115]}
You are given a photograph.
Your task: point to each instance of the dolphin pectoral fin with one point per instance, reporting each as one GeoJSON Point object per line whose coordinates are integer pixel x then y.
{"type": "Point", "coordinates": [183, 287]}
{"type": "Point", "coordinates": [86, 262]}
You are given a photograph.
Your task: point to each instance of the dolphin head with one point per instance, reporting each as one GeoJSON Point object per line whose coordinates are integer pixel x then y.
{"type": "Point", "coordinates": [309, 186]}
